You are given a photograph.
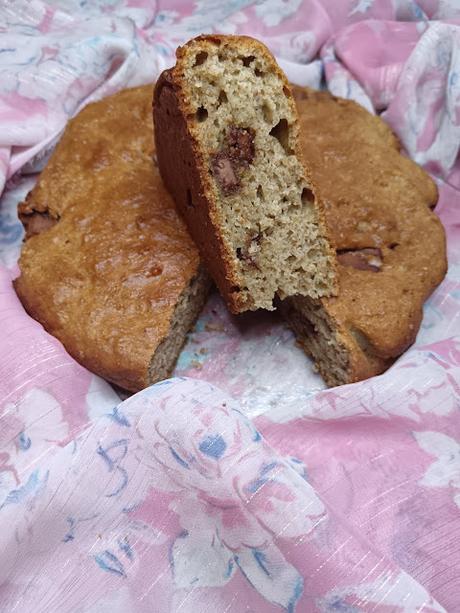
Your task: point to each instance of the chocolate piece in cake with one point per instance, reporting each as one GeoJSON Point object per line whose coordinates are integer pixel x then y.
{"type": "Point", "coordinates": [226, 130]}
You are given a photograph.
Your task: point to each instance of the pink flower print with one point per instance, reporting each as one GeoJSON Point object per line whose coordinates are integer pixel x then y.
{"type": "Point", "coordinates": [233, 493]}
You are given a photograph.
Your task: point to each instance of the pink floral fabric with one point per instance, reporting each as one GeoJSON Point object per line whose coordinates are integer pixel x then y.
{"type": "Point", "coordinates": [241, 484]}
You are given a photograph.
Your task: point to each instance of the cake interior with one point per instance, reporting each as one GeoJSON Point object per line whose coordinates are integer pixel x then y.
{"type": "Point", "coordinates": [319, 337]}
{"type": "Point", "coordinates": [245, 121]}
{"type": "Point", "coordinates": [187, 310]}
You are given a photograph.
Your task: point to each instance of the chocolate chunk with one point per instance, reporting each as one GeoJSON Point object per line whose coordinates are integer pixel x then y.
{"type": "Point", "coordinates": [36, 223]}
{"type": "Point", "coordinates": [224, 173]}
{"type": "Point", "coordinates": [369, 258]}
{"type": "Point", "coordinates": [248, 254]}
{"type": "Point", "coordinates": [240, 145]}
{"type": "Point", "coordinates": [246, 257]}
{"type": "Point", "coordinates": [238, 150]}
{"type": "Point", "coordinates": [257, 238]}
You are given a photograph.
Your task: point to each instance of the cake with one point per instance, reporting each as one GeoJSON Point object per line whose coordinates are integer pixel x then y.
{"type": "Point", "coordinates": [227, 139]}
{"type": "Point", "coordinates": [108, 266]}
{"type": "Point", "coordinates": [390, 244]}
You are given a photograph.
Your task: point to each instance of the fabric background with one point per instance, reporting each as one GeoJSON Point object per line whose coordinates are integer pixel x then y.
{"type": "Point", "coordinates": [241, 484]}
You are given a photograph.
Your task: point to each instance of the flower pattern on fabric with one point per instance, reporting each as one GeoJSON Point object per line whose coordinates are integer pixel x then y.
{"type": "Point", "coordinates": [254, 496]}
{"type": "Point", "coordinates": [170, 500]}
{"type": "Point", "coordinates": [445, 470]}
{"type": "Point", "coordinates": [222, 505]}
{"type": "Point", "coordinates": [396, 591]}
{"type": "Point", "coordinates": [232, 496]}
{"type": "Point", "coordinates": [273, 12]}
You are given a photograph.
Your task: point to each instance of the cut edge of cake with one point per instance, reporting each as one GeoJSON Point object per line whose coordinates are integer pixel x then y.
{"type": "Point", "coordinates": [227, 141]}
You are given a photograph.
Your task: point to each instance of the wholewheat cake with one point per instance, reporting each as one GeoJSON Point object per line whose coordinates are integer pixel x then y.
{"type": "Point", "coordinates": [227, 140]}
{"type": "Point", "coordinates": [108, 266]}
{"type": "Point", "coordinates": [391, 247]}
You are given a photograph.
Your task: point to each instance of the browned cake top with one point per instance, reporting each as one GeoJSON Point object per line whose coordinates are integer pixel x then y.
{"type": "Point", "coordinates": [390, 245]}
{"type": "Point", "coordinates": [105, 240]}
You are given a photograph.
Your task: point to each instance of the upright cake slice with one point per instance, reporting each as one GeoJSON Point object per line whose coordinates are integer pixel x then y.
{"type": "Point", "coordinates": [226, 131]}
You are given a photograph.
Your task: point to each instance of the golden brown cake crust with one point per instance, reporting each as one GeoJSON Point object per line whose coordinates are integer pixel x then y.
{"type": "Point", "coordinates": [186, 172]}
{"type": "Point", "coordinates": [107, 257]}
{"type": "Point", "coordinates": [378, 205]}
{"type": "Point", "coordinates": [169, 111]}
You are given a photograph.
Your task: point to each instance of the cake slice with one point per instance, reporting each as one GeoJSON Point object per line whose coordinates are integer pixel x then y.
{"type": "Point", "coordinates": [108, 266]}
{"type": "Point", "coordinates": [391, 248]}
{"type": "Point", "coordinates": [226, 131]}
